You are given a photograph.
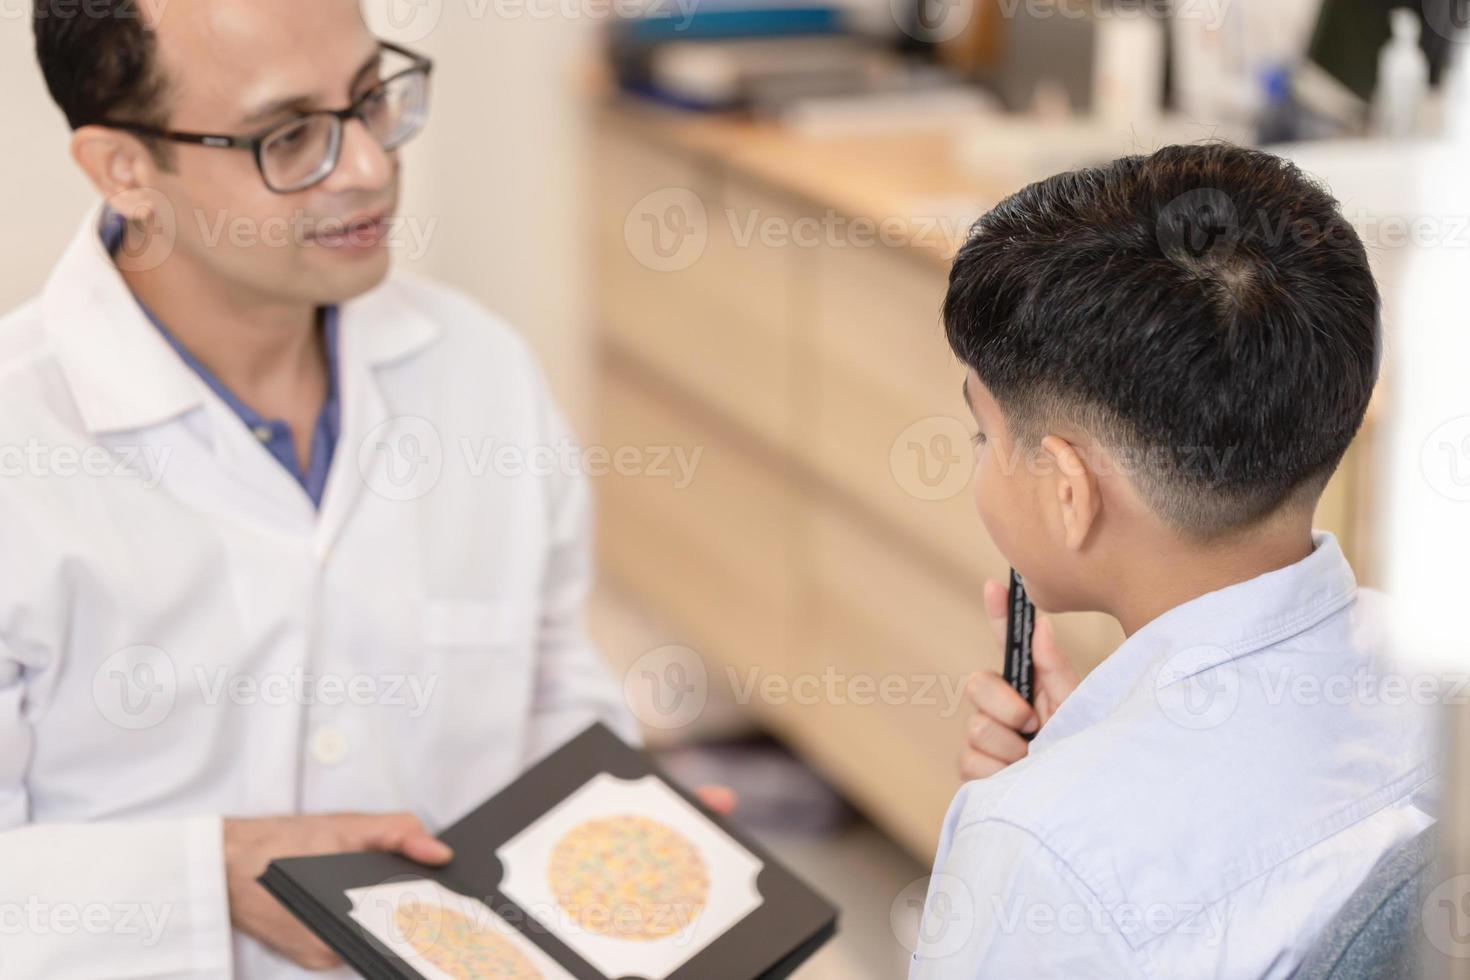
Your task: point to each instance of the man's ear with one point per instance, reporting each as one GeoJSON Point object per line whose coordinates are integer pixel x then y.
{"type": "Point", "coordinates": [1078, 498]}
{"type": "Point", "coordinates": [119, 167]}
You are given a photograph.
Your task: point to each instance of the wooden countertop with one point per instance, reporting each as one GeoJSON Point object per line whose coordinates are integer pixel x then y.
{"type": "Point", "coordinates": [910, 184]}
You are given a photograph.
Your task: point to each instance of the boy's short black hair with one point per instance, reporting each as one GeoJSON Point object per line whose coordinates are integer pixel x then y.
{"type": "Point", "coordinates": [1205, 312]}
{"type": "Point", "coordinates": [99, 60]}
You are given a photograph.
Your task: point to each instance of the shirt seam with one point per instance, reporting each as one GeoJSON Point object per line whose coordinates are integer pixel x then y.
{"type": "Point", "coordinates": [1078, 885]}
{"type": "Point", "coordinates": [1350, 816]}
{"type": "Point", "coordinates": [1297, 853]}
{"type": "Point", "coordinates": [1427, 771]}
{"type": "Point", "coordinates": [1307, 618]}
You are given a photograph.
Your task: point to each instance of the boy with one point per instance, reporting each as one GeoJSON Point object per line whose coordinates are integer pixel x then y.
{"type": "Point", "coordinates": [1168, 356]}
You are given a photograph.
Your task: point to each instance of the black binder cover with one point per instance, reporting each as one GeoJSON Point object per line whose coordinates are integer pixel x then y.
{"type": "Point", "coordinates": [791, 923]}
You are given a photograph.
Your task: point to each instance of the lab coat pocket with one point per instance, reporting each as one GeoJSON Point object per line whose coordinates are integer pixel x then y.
{"type": "Point", "coordinates": [472, 624]}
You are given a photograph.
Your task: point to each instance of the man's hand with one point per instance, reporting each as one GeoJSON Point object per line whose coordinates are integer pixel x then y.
{"type": "Point", "coordinates": [252, 843]}
{"type": "Point", "coordinates": [993, 736]}
{"type": "Point", "coordinates": [721, 799]}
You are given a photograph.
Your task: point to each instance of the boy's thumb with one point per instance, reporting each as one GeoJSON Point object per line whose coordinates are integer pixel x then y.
{"type": "Point", "coordinates": [1054, 674]}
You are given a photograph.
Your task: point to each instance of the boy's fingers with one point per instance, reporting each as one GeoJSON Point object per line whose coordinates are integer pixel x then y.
{"type": "Point", "coordinates": [989, 737]}
{"type": "Point", "coordinates": [974, 765]}
{"type": "Point", "coordinates": [995, 609]}
{"type": "Point", "coordinates": [991, 695]}
{"type": "Point", "coordinates": [1052, 671]}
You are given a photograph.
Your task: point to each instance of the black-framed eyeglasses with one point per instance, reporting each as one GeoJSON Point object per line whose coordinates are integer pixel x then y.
{"type": "Point", "coordinates": [303, 151]}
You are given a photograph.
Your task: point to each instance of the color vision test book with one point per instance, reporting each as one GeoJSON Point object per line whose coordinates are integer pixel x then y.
{"type": "Point", "coordinates": [592, 865]}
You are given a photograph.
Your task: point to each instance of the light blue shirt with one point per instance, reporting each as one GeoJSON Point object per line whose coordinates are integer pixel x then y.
{"type": "Point", "coordinates": [1202, 803]}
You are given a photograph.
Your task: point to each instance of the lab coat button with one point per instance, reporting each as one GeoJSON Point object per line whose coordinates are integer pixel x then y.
{"type": "Point", "coordinates": [328, 745]}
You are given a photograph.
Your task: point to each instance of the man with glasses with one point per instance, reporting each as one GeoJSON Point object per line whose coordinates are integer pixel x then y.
{"type": "Point", "coordinates": [256, 597]}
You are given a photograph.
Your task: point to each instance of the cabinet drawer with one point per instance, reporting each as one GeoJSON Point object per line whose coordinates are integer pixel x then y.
{"type": "Point", "coordinates": [901, 639]}
{"type": "Point", "coordinates": [710, 307]}
{"type": "Point", "coordinates": [892, 430]}
{"type": "Point", "coordinates": [715, 557]}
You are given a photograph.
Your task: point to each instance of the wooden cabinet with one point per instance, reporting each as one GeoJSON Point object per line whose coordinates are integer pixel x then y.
{"type": "Point", "coordinates": [683, 290]}
{"type": "Point", "coordinates": [714, 553]}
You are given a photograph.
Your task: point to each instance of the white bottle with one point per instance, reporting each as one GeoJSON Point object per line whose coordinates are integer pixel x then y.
{"type": "Point", "coordinates": [1128, 68]}
{"type": "Point", "coordinates": [1403, 78]}
{"type": "Point", "coordinates": [1456, 88]}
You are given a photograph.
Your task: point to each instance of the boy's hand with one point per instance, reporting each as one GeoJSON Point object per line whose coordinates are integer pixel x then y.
{"type": "Point", "coordinates": [992, 740]}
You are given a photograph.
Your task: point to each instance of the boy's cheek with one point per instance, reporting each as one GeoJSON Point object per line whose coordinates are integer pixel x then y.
{"type": "Point", "coordinates": [1007, 510]}
{"type": "Point", "coordinates": [996, 502]}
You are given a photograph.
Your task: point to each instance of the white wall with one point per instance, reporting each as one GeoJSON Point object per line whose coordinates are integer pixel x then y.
{"type": "Point", "coordinates": [498, 167]}
{"type": "Point", "coordinates": [501, 167]}
{"type": "Point", "coordinates": [44, 198]}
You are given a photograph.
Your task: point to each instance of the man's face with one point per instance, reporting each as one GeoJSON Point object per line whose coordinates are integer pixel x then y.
{"type": "Point", "coordinates": [1011, 489]}
{"type": "Point", "coordinates": [237, 67]}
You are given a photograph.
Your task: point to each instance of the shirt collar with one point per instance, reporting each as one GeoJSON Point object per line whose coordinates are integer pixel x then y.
{"type": "Point", "coordinates": [1209, 630]}
{"type": "Point", "coordinates": [111, 228]}
{"type": "Point", "coordinates": [124, 374]}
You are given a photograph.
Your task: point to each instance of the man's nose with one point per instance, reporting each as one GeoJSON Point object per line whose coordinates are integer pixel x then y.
{"type": "Point", "coordinates": [364, 165]}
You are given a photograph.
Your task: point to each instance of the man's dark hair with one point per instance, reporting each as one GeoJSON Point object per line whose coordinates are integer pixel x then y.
{"type": "Point", "coordinates": [98, 57]}
{"type": "Point", "coordinates": [1205, 312]}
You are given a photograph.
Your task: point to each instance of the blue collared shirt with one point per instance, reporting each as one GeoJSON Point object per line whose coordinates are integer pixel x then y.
{"type": "Point", "coordinates": [1203, 803]}
{"type": "Point", "coordinates": [273, 434]}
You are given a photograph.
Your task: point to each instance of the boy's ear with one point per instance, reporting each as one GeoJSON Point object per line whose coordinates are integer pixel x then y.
{"type": "Point", "coordinates": [1078, 500]}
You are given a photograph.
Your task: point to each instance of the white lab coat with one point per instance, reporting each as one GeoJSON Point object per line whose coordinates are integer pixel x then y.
{"type": "Point", "coordinates": [183, 637]}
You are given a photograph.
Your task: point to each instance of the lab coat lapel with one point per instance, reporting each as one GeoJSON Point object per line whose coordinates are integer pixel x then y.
{"type": "Point", "coordinates": [121, 372]}
{"type": "Point", "coordinates": [376, 333]}
{"type": "Point", "coordinates": [133, 391]}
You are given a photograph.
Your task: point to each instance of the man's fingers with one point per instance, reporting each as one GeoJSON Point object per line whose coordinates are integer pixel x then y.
{"type": "Point", "coordinates": [991, 738]}
{"type": "Point", "coordinates": [316, 955]}
{"type": "Point", "coordinates": [991, 695]}
{"type": "Point", "coordinates": [426, 850]}
{"type": "Point", "coordinates": [405, 834]}
{"type": "Point", "coordinates": [720, 799]}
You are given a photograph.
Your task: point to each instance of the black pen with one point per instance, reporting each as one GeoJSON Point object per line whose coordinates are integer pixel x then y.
{"type": "Point", "coordinates": [1020, 624]}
